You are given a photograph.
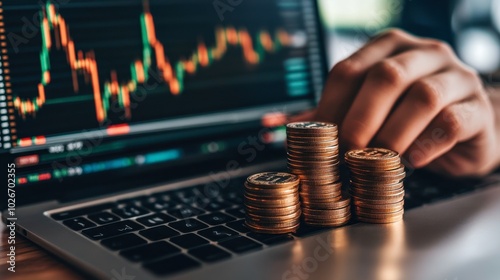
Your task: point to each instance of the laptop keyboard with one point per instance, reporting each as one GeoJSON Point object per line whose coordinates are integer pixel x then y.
{"type": "Point", "coordinates": [172, 231]}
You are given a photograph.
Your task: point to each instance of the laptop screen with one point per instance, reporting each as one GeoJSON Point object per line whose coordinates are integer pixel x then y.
{"type": "Point", "coordinates": [89, 87]}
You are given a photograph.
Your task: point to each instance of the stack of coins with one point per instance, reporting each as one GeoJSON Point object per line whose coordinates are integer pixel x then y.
{"type": "Point", "coordinates": [313, 155]}
{"type": "Point", "coordinates": [272, 204]}
{"type": "Point", "coordinates": [376, 184]}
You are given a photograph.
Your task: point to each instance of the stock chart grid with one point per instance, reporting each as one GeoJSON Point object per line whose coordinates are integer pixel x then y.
{"type": "Point", "coordinates": [75, 71]}
{"type": "Point", "coordinates": [69, 66]}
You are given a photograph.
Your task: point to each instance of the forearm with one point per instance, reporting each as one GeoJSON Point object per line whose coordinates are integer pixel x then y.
{"type": "Point", "coordinates": [494, 93]}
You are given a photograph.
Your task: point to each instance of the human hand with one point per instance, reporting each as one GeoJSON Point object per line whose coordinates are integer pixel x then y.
{"type": "Point", "coordinates": [414, 96]}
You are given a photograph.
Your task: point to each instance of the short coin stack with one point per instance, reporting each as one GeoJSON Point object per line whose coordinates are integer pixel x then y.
{"type": "Point", "coordinates": [376, 184]}
{"type": "Point", "coordinates": [313, 155]}
{"type": "Point", "coordinates": [272, 202]}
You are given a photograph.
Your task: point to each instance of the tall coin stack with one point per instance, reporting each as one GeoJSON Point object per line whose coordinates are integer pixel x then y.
{"type": "Point", "coordinates": [272, 202]}
{"type": "Point", "coordinates": [376, 185]}
{"type": "Point", "coordinates": [313, 155]}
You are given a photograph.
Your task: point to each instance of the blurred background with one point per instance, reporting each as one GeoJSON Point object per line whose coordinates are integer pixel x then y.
{"type": "Point", "coordinates": [471, 27]}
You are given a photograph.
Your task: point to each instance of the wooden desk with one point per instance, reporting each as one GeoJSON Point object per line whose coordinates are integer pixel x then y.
{"type": "Point", "coordinates": [32, 262]}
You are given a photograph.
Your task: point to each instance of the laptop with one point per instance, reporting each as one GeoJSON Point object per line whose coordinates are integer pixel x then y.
{"type": "Point", "coordinates": [129, 127]}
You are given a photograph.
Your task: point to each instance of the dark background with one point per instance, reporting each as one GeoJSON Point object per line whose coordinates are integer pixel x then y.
{"type": "Point", "coordinates": [472, 27]}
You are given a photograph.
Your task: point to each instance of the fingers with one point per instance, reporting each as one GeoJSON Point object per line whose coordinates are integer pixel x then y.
{"type": "Point", "coordinates": [454, 124]}
{"type": "Point", "coordinates": [384, 85]}
{"type": "Point", "coordinates": [423, 102]}
{"type": "Point", "coordinates": [345, 79]}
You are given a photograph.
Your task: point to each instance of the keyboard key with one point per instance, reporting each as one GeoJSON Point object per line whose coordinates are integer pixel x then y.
{"type": "Point", "coordinates": [188, 225]}
{"type": "Point", "coordinates": [165, 196]}
{"type": "Point", "coordinates": [209, 253]}
{"type": "Point", "coordinates": [81, 211]}
{"type": "Point", "coordinates": [234, 197]}
{"type": "Point", "coordinates": [210, 191]}
{"type": "Point", "coordinates": [218, 233]}
{"type": "Point", "coordinates": [137, 201]}
{"type": "Point", "coordinates": [213, 206]}
{"type": "Point", "coordinates": [104, 218]}
{"type": "Point", "coordinates": [157, 233]}
{"type": "Point", "coordinates": [236, 212]}
{"type": "Point", "coordinates": [271, 239]}
{"type": "Point", "coordinates": [111, 230]}
{"type": "Point", "coordinates": [123, 241]}
{"type": "Point", "coordinates": [150, 251]}
{"type": "Point", "coordinates": [238, 226]}
{"type": "Point", "coordinates": [240, 244]}
{"type": "Point", "coordinates": [189, 240]}
{"type": "Point", "coordinates": [159, 205]}
{"type": "Point", "coordinates": [170, 265]}
{"type": "Point", "coordinates": [184, 211]}
{"type": "Point", "coordinates": [129, 211]}
{"type": "Point", "coordinates": [78, 223]}
{"type": "Point", "coordinates": [189, 195]}
{"type": "Point", "coordinates": [216, 218]}
{"type": "Point", "coordinates": [155, 219]}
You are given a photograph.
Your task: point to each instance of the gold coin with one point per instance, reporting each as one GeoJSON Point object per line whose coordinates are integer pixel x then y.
{"type": "Point", "coordinates": [378, 195]}
{"type": "Point", "coordinates": [270, 203]}
{"type": "Point", "coordinates": [376, 186]}
{"type": "Point", "coordinates": [319, 176]}
{"type": "Point", "coordinates": [321, 194]}
{"type": "Point", "coordinates": [273, 224]}
{"type": "Point", "coordinates": [330, 151]}
{"type": "Point", "coordinates": [305, 174]}
{"type": "Point", "coordinates": [377, 200]}
{"type": "Point", "coordinates": [373, 154]}
{"type": "Point", "coordinates": [380, 221]}
{"type": "Point", "coordinates": [278, 200]}
{"type": "Point", "coordinates": [273, 179]}
{"type": "Point", "coordinates": [330, 223]}
{"type": "Point", "coordinates": [368, 215]}
{"type": "Point", "coordinates": [386, 180]}
{"type": "Point", "coordinates": [340, 212]}
{"type": "Point", "coordinates": [334, 186]}
{"type": "Point", "coordinates": [277, 211]}
{"type": "Point", "coordinates": [301, 161]}
{"type": "Point", "coordinates": [319, 166]}
{"type": "Point", "coordinates": [319, 203]}
{"type": "Point", "coordinates": [312, 142]}
{"type": "Point", "coordinates": [310, 181]}
{"type": "Point", "coordinates": [270, 218]}
{"type": "Point", "coordinates": [270, 192]}
{"type": "Point", "coordinates": [341, 202]}
{"type": "Point", "coordinates": [324, 218]}
{"type": "Point", "coordinates": [358, 209]}
{"type": "Point", "coordinates": [308, 126]}
{"type": "Point", "coordinates": [372, 167]}
{"type": "Point", "coordinates": [316, 140]}
{"type": "Point", "coordinates": [397, 171]}
{"type": "Point", "coordinates": [312, 157]}
{"type": "Point", "coordinates": [305, 154]}
{"type": "Point", "coordinates": [375, 192]}
{"type": "Point", "coordinates": [266, 230]}
{"type": "Point", "coordinates": [370, 205]}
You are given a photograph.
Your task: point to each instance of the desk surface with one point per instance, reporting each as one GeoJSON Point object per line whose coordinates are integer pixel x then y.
{"type": "Point", "coordinates": [32, 262]}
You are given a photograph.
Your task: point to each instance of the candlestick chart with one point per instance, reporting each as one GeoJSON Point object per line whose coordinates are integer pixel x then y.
{"type": "Point", "coordinates": [86, 65]}
{"type": "Point", "coordinates": [55, 33]}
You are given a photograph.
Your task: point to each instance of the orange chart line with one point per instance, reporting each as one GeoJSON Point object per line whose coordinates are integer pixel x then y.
{"type": "Point", "coordinates": [55, 31]}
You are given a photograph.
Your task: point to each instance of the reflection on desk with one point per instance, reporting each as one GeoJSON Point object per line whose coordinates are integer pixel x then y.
{"type": "Point", "coordinates": [32, 262]}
